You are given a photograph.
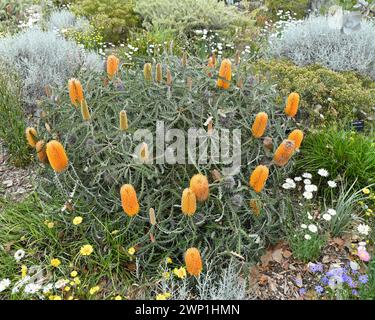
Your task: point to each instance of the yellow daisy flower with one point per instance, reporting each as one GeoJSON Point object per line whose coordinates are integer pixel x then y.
{"type": "Point", "coordinates": [77, 220]}
{"type": "Point", "coordinates": [55, 262]}
{"type": "Point", "coordinates": [86, 250]}
{"type": "Point", "coordinates": [94, 290]}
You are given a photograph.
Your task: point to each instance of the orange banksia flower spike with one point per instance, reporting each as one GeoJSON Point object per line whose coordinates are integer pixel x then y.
{"type": "Point", "coordinates": [41, 151]}
{"type": "Point", "coordinates": [255, 207]}
{"type": "Point", "coordinates": [283, 153]}
{"type": "Point", "coordinates": [75, 91]}
{"type": "Point", "coordinates": [292, 103]}
{"type": "Point", "coordinates": [159, 73]}
{"type": "Point", "coordinates": [112, 66]}
{"type": "Point", "coordinates": [259, 178]}
{"type": "Point", "coordinates": [296, 136]}
{"type": "Point", "coordinates": [57, 156]}
{"type": "Point", "coordinates": [199, 185]}
{"type": "Point", "coordinates": [31, 136]}
{"type": "Point", "coordinates": [85, 111]}
{"type": "Point", "coordinates": [129, 200]}
{"type": "Point", "coordinates": [169, 77]}
{"type": "Point", "coordinates": [188, 202]}
{"type": "Point", "coordinates": [225, 74]}
{"type": "Point", "coordinates": [259, 125]}
{"type": "Point", "coordinates": [123, 121]}
{"type": "Point", "coordinates": [147, 71]}
{"type": "Point", "coordinates": [193, 261]}
{"type": "Point", "coordinates": [184, 59]}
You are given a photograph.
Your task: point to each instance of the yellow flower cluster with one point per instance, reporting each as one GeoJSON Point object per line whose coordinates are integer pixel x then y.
{"type": "Point", "coordinates": [163, 296]}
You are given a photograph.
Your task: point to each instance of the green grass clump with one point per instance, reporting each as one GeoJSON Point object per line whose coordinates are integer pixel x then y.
{"type": "Point", "coordinates": [327, 97]}
{"type": "Point", "coordinates": [44, 232]}
{"type": "Point", "coordinates": [12, 119]}
{"type": "Point", "coordinates": [344, 154]}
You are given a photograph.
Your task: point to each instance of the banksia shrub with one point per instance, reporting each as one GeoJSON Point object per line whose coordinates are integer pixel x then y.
{"type": "Point", "coordinates": [199, 185]}
{"type": "Point", "coordinates": [283, 153]}
{"type": "Point", "coordinates": [75, 91]}
{"type": "Point", "coordinates": [292, 103]}
{"type": "Point", "coordinates": [123, 121]}
{"type": "Point", "coordinates": [112, 66]}
{"type": "Point", "coordinates": [40, 148]}
{"type": "Point", "coordinates": [57, 156]}
{"type": "Point", "coordinates": [31, 136]}
{"type": "Point", "coordinates": [159, 73]}
{"type": "Point", "coordinates": [147, 71]}
{"type": "Point", "coordinates": [101, 158]}
{"type": "Point", "coordinates": [188, 202]}
{"type": "Point", "coordinates": [193, 261]}
{"type": "Point", "coordinates": [259, 125]}
{"type": "Point", "coordinates": [296, 136]}
{"type": "Point", "coordinates": [259, 178]}
{"type": "Point", "coordinates": [129, 200]}
{"type": "Point", "coordinates": [225, 74]}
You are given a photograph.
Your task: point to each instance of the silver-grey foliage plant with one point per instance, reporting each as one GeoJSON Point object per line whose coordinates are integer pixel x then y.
{"type": "Point", "coordinates": [321, 40]}
{"type": "Point", "coordinates": [210, 285]}
{"type": "Point", "coordinates": [65, 19]}
{"type": "Point", "coordinates": [45, 58]}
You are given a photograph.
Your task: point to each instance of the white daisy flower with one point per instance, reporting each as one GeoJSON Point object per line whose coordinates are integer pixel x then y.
{"type": "Point", "coordinates": [309, 216]}
{"type": "Point", "coordinates": [332, 184]}
{"type": "Point", "coordinates": [19, 254]}
{"type": "Point", "coordinates": [362, 244]}
{"type": "Point", "coordinates": [297, 179]}
{"type": "Point", "coordinates": [313, 228]}
{"type": "Point", "coordinates": [311, 188]}
{"type": "Point", "coordinates": [363, 229]}
{"type": "Point", "coordinates": [308, 195]}
{"type": "Point", "coordinates": [327, 217]}
{"type": "Point", "coordinates": [307, 237]}
{"type": "Point", "coordinates": [4, 284]}
{"type": "Point", "coordinates": [286, 186]}
{"type": "Point", "coordinates": [307, 181]}
{"type": "Point", "coordinates": [354, 265]}
{"type": "Point", "coordinates": [32, 288]}
{"type": "Point", "coordinates": [289, 184]}
{"type": "Point", "coordinates": [303, 226]}
{"type": "Point", "coordinates": [323, 173]}
{"type": "Point", "coordinates": [307, 175]}
{"type": "Point", "coordinates": [332, 212]}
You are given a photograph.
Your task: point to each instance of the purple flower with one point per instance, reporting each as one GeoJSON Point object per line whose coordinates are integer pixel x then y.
{"type": "Point", "coordinates": [298, 282]}
{"type": "Point", "coordinates": [363, 279]}
{"type": "Point", "coordinates": [302, 291]}
{"type": "Point", "coordinates": [355, 292]}
{"type": "Point", "coordinates": [316, 267]}
{"type": "Point", "coordinates": [324, 280]}
{"type": "Point", "coordinates": [319, 289]}
{"type": "Point", "coordinates": [336, 272]}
